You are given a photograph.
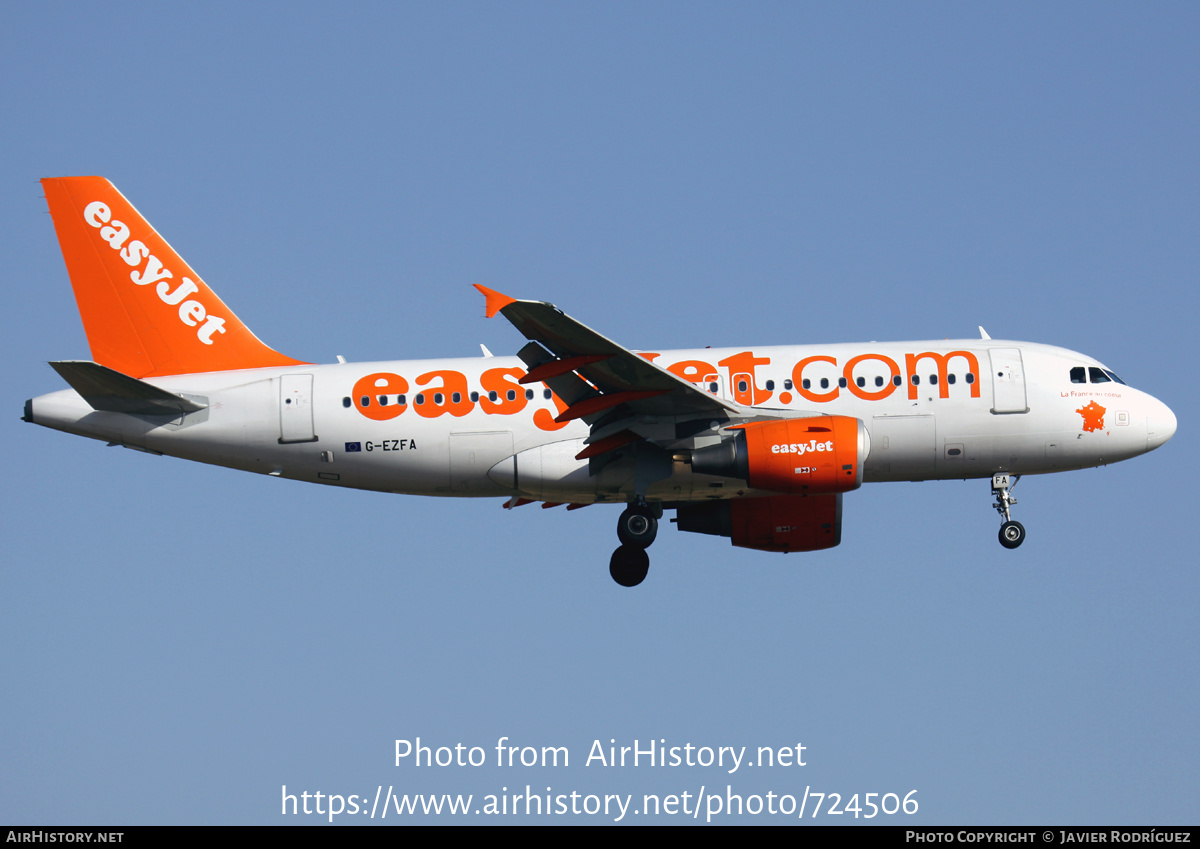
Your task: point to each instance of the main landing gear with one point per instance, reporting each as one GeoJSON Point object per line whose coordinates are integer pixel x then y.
{"type": "Point", "coordinates": [1012, 533]}
{"type": "Point", "coordinates": [637, 528]}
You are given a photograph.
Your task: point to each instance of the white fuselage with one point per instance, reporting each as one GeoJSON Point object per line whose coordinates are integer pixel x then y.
{"type": "Point", "coordinates": [976, 407]}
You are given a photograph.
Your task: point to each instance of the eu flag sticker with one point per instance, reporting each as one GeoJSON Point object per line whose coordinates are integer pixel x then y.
{"type": "Point", "coordinates": [353, 446]}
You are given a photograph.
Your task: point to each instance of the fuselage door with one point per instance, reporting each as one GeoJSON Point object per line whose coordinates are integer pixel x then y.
{"type": "Point", "coordinates": [473, 454]}
{"type": "Point", "coordinates": [743, 389]}
{"type": "Point", "coordinates": [295, 408]}
{"type": "Point", "coordinates": [714, 384]}
{"type": "Point", "coordinates": [1008, 381]}
{"type": "Point", "coordinates": [902, 448]}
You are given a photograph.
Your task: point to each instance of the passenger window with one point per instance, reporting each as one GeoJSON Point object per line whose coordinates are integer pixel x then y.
{"type": "Point", "coordinates": [896, 381]}
{"type": "Point", "coordinates": [1097, 375]}
{"type": "Point", "coordinates": [970, 377]}
{"type": "Point", "coordinates": [346, 401]}
{"type": "Point", "coordinates": [420, 399]}
{"type": "Point", "coordinates": [916, 379]}
{"type": "Point", "coordinates": [365, 400]}
{"type": "Point", "coordinates": [383, 400]}
{"type": "Point", "coordinates": [806, 383]}
{"type": "Point", "coordinates": [787, 384]}
{"type": "Point", "coordinates": [456, 397]}
{"type": "Point", "coordinates": [439, 398]}
{"type": "Point", "coordinates": [546, 393]}
{"type": "Point", "coordinates": [950, 378]}
{"type": "Point", "coordinates": [400, 400]}
{"type": "Point", "coordinates": [878, 380]}
{"type": "Point", "coordinates": [528, 394]}
{"type": "Point", "coordinates": [512, 395]}
{"type": "Point", "coordinates": [842, 382]}
{"type": "Point", "coordinates": [862, 381]}
{"type": "Point", "coordinates": [1078, 375]}
{"type": "Point", "coordinates": [492, 396]}
{"type": "Point", "coordinates": [824, 382]}
{"type": "Point", "coordinates": [474, 397]}
{"type": "Point", "coordinates": [770, 385]}
{"type": "Point", "coordinates": [933, 380]}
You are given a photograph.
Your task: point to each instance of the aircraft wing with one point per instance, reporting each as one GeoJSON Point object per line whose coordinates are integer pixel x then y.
{"type": "Point", "coordinates": [594, 375]}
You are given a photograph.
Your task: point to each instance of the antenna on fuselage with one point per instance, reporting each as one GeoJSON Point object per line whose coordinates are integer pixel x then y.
{"type": "Point", "coordinates": [983, 333]}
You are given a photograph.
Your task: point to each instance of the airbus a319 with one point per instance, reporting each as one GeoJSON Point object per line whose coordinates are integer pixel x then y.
{"type": "Point", "coordinates": [755, 444]}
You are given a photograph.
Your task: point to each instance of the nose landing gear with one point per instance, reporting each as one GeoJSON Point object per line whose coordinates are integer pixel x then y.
{"type": "Point", "coordinates": [1012, 533]}
{"type": "Point", "coordinates": [637, 528]}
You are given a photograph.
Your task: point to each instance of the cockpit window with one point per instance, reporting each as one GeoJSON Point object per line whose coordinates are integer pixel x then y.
{"type": "Point", "coordinates": [1081, 374]}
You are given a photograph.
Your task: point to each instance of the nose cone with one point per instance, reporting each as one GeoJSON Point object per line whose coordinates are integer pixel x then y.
{"type": "Point", "coordinates": [1160, 425]}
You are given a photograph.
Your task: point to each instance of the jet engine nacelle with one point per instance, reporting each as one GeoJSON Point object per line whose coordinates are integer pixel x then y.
{"type": "Point", "coordinates": [818, 454]}
{"type": "Point", "coordinates": [771, 523]}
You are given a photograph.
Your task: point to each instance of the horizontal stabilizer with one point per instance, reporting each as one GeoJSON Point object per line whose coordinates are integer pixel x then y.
{"type": "Point", "coordinates": [112, 392]}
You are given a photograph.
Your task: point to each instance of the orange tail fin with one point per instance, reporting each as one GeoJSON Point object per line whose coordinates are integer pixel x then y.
{"type": "Point", "coordinates": [145, 312]}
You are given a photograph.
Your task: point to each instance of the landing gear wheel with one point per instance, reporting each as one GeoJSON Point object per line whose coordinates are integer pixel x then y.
{"type": "Point", "coordinates": [637, 527]}
{"type": "Point", "coordinates": [629, 565]}
{"type": "Point", "coordinates": [1012, 534]}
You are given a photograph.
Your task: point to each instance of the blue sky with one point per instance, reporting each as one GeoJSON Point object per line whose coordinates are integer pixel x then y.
{"type": "Point", "coordinates": [180, 641]}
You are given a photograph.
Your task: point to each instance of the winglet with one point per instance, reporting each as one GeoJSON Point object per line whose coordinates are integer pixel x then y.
{"type": "Point", "coordinates": [495, 300]}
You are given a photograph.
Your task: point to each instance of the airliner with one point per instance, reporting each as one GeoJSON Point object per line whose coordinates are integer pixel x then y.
{"type": "Point", "coordinates": [755, 444]}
